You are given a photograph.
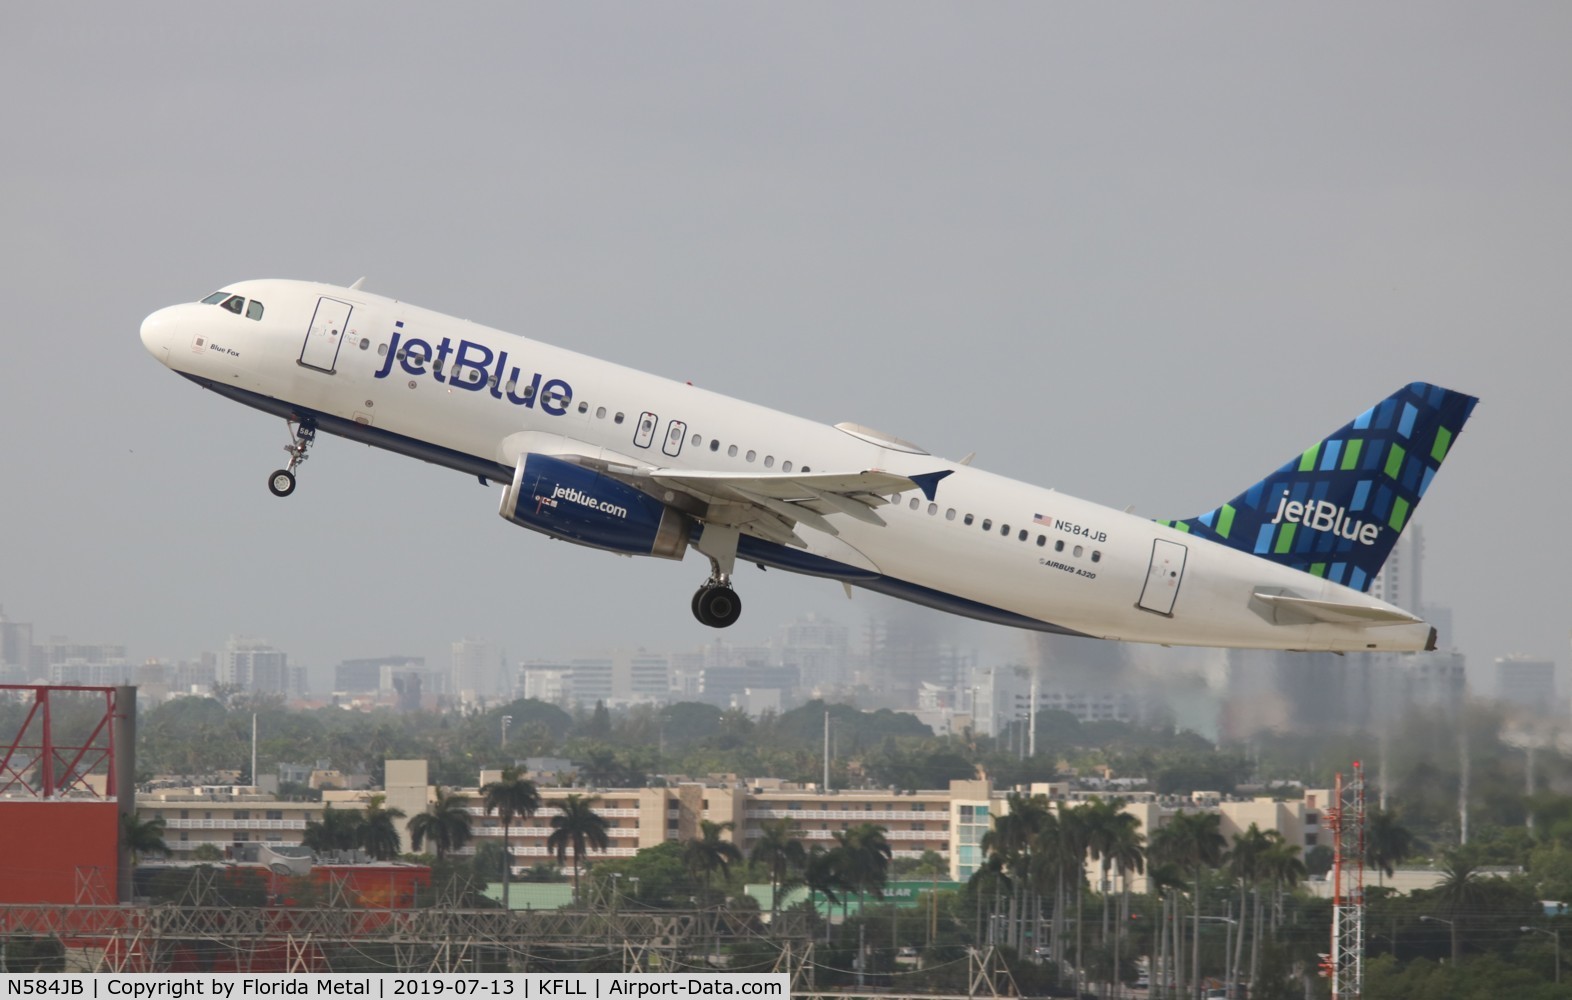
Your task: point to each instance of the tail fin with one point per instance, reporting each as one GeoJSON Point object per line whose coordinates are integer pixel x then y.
{"type": "Point", "coordinates": [1336, 510]}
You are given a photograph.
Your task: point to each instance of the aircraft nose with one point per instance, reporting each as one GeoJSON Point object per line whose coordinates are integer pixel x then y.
{"type": "Point", "coordinates": [156, 334]}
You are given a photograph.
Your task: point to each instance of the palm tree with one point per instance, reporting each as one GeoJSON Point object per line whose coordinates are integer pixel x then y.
{"type": "Point", "coordinates": [377, 834]}
{"type": "Point", "coordinates": [1198, 844]}
{"type": "Point", "coordinates": [709, 851]}
{"type": "Point", "coordinates": [780, 850]}
{"type": "Point", "coordinates": [866, 858]}
{"type": "Point", "coordinates": [1166, 879]}
{"type": "Point", "coordinates": [1388, 843]}
{"type": "Point", "coordinates": [824, 873]}
{"type": "Point", "coordinates": [338, 830]}
{"type": "Point", "coordinates": [139, 836]}
{"type": "Point", "coordinates": [1101, 819]}
{"type": "Point", "coordinates": [1010, 844]}
{"type": "Point", "coordinates": [512, 797]}
{"type": "Point", "coordinates": [1244, 863]}
{"type": "Point", "coordinates": [577, 827]}
{"type": "Point", "coordinates": [1075, 834]}
{"type": "Point", "coordinates": [1461, 893]}
{"type": "Point", "coordinates": [445, 823]}
{"type": "Point", "coordinates": [1128, 851]}
{"type": "Point", "coordinates": [1281, 866]}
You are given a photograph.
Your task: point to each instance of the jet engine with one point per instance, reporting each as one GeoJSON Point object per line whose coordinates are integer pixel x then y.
{"type": "Point", "coordinates": [581, 505]}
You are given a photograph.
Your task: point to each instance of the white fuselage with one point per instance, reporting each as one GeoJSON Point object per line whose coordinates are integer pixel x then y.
{"type": "Point", "coordinates": [986, 546]}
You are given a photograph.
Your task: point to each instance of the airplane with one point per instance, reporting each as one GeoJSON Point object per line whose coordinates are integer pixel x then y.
{"type": "Point", "coordinates": [608, 457]}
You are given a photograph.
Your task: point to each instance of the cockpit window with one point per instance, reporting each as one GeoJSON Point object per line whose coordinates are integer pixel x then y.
{"type": "Point", "coordinates": [215, 298]}
{"type": "Point", "coordinates": [254, 310]}
{"type": "Point", "coordinates": [235, 304]}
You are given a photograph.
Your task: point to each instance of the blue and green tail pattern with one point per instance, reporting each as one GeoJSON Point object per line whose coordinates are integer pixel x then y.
{"type": "Point", "coordinates": [1335, 511]}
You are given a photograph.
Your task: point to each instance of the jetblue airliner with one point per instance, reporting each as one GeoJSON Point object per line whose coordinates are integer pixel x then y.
{"type": "Point", "coordinates": [612, 458]}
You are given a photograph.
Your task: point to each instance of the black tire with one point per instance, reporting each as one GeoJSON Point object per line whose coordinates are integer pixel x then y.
{"type": "Point", "coordinates": [281, 483]}
{"type": "Point", "coordinates": [698, 605]}
{"type": "Point", "coordinates": [719, 607]}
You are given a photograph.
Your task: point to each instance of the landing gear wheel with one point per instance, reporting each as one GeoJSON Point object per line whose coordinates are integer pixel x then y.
{"type": "Point", "coordinates": [301, 435]}
{"type": "Point", "coordinates": [717, 606]}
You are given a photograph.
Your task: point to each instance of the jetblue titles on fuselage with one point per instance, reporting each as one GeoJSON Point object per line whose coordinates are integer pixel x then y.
{"type": "Point", "coordinates": [414, 354]}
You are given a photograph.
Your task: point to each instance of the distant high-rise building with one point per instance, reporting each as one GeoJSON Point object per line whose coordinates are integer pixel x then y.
{"type": "Point", "coordinates": [593, 679]}
{"type": "Point", "coordinates": [649, 677]}
{"type": "Point", "coordinates": [1527, 683]}
{"type": "Point", "coordinates": [821, 651]}
{"type": "Point", "coordinates": [1399, 580]}
{"type": "Point", "coordinates": [373, 673]}
{"type": "Point", "coordinates": [475, 675]}
{"type": "Point", "coordinates": [16, 650]}
{"type": "Point", "coordinates": [253, 665]}
{"type": "Point", "coordinates": [549, 682]}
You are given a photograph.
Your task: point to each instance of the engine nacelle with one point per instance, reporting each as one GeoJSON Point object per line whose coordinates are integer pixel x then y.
{"type": "Point", "coordinates": [580, 505]}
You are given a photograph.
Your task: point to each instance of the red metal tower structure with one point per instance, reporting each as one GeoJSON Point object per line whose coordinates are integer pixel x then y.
{"type": "Point", "coordinates": [1345, 965]}
{"type": "Point", "coordinates": [34, 762]}
{"type": "Point", "coordinates": [67, 782]}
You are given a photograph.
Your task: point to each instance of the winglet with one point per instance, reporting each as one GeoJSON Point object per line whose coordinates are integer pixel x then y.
{"type": "Point", "coordinates": [928, 482]}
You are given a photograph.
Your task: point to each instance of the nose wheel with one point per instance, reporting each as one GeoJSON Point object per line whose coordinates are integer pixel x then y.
{"type": "Point", "coordinates": [716, 604]}
{"type": "Point", "coordinates": [281, 482]}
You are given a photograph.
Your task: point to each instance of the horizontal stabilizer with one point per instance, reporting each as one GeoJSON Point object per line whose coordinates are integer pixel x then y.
{"type": "Point", "coordinates": [1288, 609]}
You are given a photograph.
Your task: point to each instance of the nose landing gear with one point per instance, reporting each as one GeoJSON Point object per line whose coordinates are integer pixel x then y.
{"type": "Point", "coordinates": [281, 482]}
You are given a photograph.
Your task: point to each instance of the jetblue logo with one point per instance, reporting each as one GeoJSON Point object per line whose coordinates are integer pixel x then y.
{"type": "Point", "coordinates": [1324, 515]}
{"type": "Point", "coordinates": [477, 368]}
{"type": "Point", "coordinates": [583, 499]}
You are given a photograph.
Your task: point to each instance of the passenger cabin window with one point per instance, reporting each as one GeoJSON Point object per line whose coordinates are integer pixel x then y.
{"type": "Point", "coordinates": [254, 311]}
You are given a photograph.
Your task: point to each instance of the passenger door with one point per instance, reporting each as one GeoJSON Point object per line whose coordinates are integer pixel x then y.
{"type": "Point", "coordinates": [326, 333]}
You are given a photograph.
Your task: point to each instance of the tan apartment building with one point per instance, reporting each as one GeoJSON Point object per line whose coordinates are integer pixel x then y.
{"type": "Point", "coordinates": [950, 822]}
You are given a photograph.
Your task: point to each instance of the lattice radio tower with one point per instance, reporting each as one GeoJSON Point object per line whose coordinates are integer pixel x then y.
{"type": "Point", "coordinates": [1345, 966]}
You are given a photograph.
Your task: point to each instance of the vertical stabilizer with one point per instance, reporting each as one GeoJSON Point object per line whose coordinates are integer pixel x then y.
{"type": "Point", "coordinates": [1336, 510]}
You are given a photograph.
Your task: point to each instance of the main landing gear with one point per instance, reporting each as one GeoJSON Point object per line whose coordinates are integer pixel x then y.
{"type": "Point", "coordinates": [301, 434]}
{"type": "Point", "coordinates": [716, 604]}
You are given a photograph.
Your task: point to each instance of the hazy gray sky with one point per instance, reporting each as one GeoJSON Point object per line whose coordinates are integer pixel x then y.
{"type": "Point", "coordinates": [1138, 253]}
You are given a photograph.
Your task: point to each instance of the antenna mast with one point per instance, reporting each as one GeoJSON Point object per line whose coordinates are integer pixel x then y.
{"type": "Point", "coordinates": [1345, 966]}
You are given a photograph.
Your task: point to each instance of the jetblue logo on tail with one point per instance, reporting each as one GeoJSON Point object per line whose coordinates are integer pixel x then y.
{"type": "Point", "coordinates": [1323, 515]}
{"type": "Point", "coordinates": [1335, 510]}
